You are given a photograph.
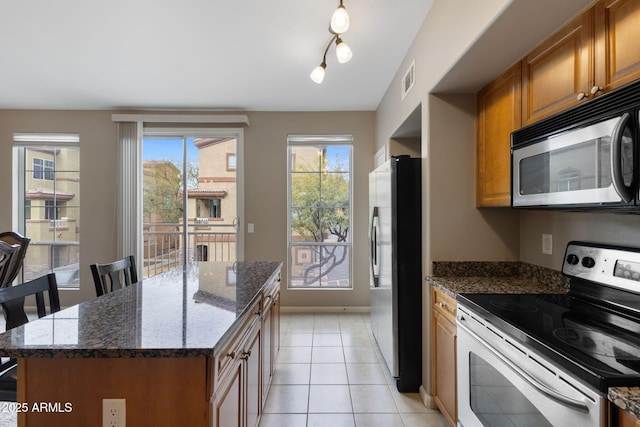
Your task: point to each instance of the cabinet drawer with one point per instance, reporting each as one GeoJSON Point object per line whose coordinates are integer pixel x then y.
{"type": "Point", "coordinates": [444, 304]}
{"type": "Point", "coordinates": [232, 349]}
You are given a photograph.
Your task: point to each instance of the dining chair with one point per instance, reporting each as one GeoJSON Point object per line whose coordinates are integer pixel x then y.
{"type": "Point", "coordinates": [12, 301]}
{"type": "Point", "coordinates": [112, 276]}
{"type": "Point", "coordinates": [8, 257]}
{"type": "Point", "coordinates": [8, 275]}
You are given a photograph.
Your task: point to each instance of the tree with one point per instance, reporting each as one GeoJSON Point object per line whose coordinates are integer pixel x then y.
{"type": "Point", "coordinates": [320, 204]}
{"type": "Point", "coordinates": [163, 187]}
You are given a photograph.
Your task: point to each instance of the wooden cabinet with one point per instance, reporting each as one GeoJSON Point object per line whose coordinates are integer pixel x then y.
{"type": "Point", "coordinates": [591, 55]}
{"type": "Point", "coordinates": [594, 53]}
{"type": "Point", "coordinates": [625, 419]}
{"type": "Point", "coordinates": [499, 107]}
{"type": "Point", "coordinates": [617, 51]}
{"type": "Point", "coordinates": [246, 365]}
{"type": "Point", "coordinates": [237, 401]}
{"type": "Point", "coordinates": [559, 69]}
{"type": "Point", "coordinates": [270, 335]}
{"type": "Point", "coordinates": [443, 355]}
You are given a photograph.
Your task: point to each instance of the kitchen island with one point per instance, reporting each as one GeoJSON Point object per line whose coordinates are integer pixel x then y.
{"type": "Point", "coordinates": [193, 346]}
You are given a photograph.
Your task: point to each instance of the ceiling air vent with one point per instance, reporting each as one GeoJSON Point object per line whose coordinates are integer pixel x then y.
{"type": "Point", "coordinates": [408, 79]}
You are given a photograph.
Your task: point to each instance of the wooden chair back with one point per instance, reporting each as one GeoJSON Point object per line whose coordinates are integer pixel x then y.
{"type": "Point", "coordinates": [112, 276]}
{"type": "Point", "coordinates": [8, 275]}
{"type": "Point", "coordinates": [8, 258]}
{"type": "Point", "coordinates": [12, 299]}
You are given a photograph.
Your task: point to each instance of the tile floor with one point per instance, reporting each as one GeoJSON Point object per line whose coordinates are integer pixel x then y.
{"type": "Point", "coordinates": [329, 373]}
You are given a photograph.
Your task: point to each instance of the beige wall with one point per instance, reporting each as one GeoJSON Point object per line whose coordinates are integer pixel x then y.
{"type": "Point", "coordinates": [266, 194]}
{"type": "Point", "coordinates": [265, 142]}
{"type": "Point", "coordinates": [462, 45]}
{"type": "Point", "coordinates": [97, 179]}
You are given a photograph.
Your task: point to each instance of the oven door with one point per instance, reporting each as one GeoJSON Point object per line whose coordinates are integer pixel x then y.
{"type": "Point", "coordinates": [502, 384]}
{"type": "Point", "coordinates": [592, 165]}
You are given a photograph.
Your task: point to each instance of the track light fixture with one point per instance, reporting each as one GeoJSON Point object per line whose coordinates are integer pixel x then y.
{"type": "Point", "coordinates": [338, 25]}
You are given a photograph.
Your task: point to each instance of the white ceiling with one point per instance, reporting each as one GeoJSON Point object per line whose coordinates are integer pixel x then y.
{"type": "Point", "coordinates": [197, 54]}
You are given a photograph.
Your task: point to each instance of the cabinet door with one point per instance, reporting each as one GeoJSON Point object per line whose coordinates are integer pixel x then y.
{"type": "Point", "coordinates": [228, 405]}
{"type": "Point", "coordinates": [499, 114]}
{"type": "Point", "coordinates": [251, 356]}
{"type": "Point", "coordinates": [627, 420]}
{"type": "Point", "coordinates": [617, 48]}
{"type": "Point", "coordinates": [267, 321]}
{"type": "Point", "coordinates": [275, 329]}
{"type": "Point", "coordinates": [560, 69]}
{"type": "Point", "coordinates": [445, 374]}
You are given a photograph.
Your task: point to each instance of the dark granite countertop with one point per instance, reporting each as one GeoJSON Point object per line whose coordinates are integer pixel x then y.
{"type": "Point", "coordinates": [626, 398]}
{"type": "Point", "coordinates": [455, 278]}
{"type": "Point", "coordinates": [184, 312]}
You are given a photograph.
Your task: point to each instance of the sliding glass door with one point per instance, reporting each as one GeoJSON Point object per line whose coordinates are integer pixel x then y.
{"type": "Point", "coordinates": [190, 200]}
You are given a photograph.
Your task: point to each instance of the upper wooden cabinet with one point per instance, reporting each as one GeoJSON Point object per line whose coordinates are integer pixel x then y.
{"type": "Point", "coordinates": [617, 51]}
{"type": "Point", "coordinates": [591, 55]}
{"type": "Point", "coordinates": [498, 116]}
{"type": "Point", "coordinates": [556, 72]}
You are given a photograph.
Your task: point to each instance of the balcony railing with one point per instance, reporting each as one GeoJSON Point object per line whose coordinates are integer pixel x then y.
{"type": "Point", "coordinates": [164, 243]}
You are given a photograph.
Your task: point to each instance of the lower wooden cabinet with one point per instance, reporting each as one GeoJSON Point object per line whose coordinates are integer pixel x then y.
{"type": "Point", "coordinates": [246, 365]}
{"type": "Point", "coordinates": [625, 419]}
{"type": "Point", "coordinates": [270, 336]}
{"type": "Point", "coordinates": [237, 400]}
{"type": "Point", "coordinates": [443, 355]}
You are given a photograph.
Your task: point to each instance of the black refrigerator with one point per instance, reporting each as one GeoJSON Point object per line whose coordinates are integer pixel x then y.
{"type": "Point", "coordinates": [395, 241]}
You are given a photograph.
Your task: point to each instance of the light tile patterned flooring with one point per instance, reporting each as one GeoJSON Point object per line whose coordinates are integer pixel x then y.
{"type": "Point", "coordinates": [329, 373]}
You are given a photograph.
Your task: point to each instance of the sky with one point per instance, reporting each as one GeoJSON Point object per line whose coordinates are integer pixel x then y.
{"type": "Point", "coordinates": [168, 149]}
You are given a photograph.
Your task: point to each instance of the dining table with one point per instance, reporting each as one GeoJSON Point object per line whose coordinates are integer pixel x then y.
{"type": "Point", "coordinates": [157, 344]}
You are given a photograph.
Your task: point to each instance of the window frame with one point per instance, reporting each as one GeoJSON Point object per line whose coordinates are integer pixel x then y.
{"type": "Point", "coordinates": [23, 208]}
{"type": "Point", "coordinates": [316, 141]}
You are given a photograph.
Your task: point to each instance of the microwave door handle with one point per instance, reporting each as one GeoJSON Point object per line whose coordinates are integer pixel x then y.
{"type": "Point", "coordinates": [623, 191]}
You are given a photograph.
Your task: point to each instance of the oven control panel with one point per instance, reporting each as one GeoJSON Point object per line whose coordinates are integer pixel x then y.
{"type": "Point", "coordinates": [611, 265]}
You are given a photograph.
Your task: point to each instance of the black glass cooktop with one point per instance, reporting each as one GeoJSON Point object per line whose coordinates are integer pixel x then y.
{"type": "Point", "coordinates": [598, 344]}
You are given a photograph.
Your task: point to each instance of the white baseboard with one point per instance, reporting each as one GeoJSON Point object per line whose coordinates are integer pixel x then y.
{"type": "Point", "coordinates": [291, 309]}
{"type": "Point", "coordinates": [427, 400]}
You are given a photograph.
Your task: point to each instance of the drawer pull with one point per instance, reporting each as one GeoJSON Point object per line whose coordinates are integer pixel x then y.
{"type": "Point", "coordinates": [231, 354]}
{"type": "Point", "coordinates": [246, 355]}
{"type": "Point", "coordinates": [442, 305]}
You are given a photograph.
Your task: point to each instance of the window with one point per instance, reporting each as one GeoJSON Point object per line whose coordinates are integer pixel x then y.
{"type": "Point", "coordinates": [47, 206]}
{"type": "Point", "coordinates": [319, 212]}
{"type": "Point", "coordinates": [52, 209]}
{"type": "Point", "coordinates": [43, 169]}
{"type": "Point", "coordinates": [231, 161]}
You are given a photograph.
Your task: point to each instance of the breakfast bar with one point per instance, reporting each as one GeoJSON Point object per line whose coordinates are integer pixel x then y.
{"type": "Point", "coordinates": [192, 346]}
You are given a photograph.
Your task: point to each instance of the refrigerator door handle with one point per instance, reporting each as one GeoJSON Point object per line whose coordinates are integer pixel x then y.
{"type": "Point", "coordinates": [373, 240]}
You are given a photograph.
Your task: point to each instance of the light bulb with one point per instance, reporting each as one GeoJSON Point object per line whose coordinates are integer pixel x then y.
{"type": "Point", "coordinates": [343, 51]}
{"type": "Point", "coordinates": [317, 75]}
{"type": "Point", "coordinates": [340, 20]}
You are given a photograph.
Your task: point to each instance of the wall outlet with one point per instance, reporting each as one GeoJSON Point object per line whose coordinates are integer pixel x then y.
{"type": "Point", "coordinates": [114, 412]}
{"type": "Point", "coordinates": [547, 244]}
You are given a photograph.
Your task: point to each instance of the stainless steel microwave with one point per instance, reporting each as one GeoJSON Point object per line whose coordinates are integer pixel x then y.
{"type": "Point", "coordinates": [585, 158]}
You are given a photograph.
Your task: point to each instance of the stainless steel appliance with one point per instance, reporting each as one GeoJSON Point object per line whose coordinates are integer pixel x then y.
{"type": "Point", "coordinates": [396, 267]}
{"type": "Point", "coordinates": [586, 157]}
{"type": "Point", "coordinates": [548, 360]}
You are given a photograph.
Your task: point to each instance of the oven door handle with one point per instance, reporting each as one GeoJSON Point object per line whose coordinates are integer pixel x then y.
{"type": "Point", "coordinates": [549, 392]}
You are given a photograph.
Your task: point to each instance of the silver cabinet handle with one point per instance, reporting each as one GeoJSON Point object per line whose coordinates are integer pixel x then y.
{"type": "Point", "coordinates": [581, 96]}
{"type": "Point", "coordinates": [595, 89]}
